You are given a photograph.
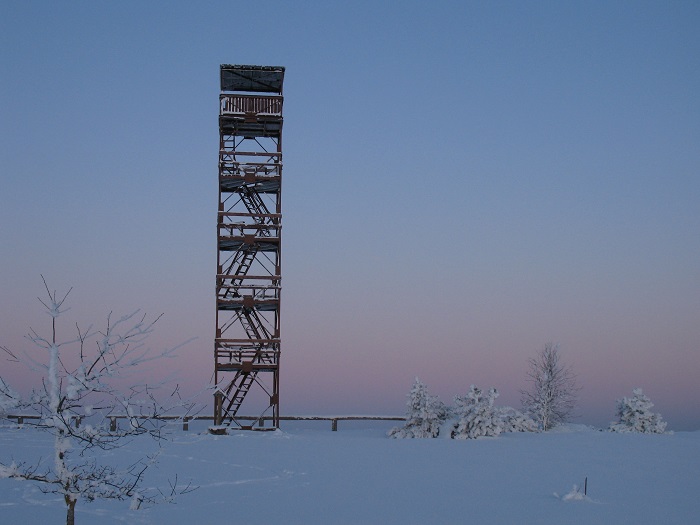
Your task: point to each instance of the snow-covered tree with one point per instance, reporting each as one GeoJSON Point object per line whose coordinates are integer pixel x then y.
{"type": "Point", "coordinates": [9, 399]}
{"type": "Point", "coordinates": [553, 394]}
{"type": "Point", "coordinates": [634, 415]}
{"type": "Point", "coordinates": [475, 415]}
{"type": "Point", "coordinates": [76, 395]}
{"type": "Point", "coordinates": [513, 420]}
{"type": "Point", "coordinates": [424, 416]}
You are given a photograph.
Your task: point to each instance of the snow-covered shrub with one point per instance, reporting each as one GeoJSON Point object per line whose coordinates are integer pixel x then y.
{"type": "Point", "coordinates": [634, 415]}
{"type": "Point", "coordinates": [424, 416]}
{"type": "Point", "coordinates": [513, 420]}
{"type": "Point", "coordinates": [476, 415]}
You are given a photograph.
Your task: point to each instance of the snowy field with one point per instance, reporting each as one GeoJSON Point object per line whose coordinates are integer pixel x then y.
{"type": "Point", "coordinates": [306, 474]}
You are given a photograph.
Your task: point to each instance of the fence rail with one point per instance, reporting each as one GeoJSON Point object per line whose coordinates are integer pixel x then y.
{"type": "Point", "coordinates": [113, 420]}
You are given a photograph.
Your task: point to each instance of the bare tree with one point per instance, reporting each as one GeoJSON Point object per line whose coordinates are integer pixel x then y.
{"type": "Point", "coordinates": [553, 394]}
{"type": "Point", "coordinates": [77, 389]}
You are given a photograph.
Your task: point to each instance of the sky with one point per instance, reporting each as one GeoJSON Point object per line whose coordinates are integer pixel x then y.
{"type": "Point", "coordinates": [463, 183]}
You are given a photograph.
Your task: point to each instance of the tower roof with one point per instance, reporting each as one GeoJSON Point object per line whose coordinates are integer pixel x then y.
{"type": "Point", "coordinates": [265, 79]}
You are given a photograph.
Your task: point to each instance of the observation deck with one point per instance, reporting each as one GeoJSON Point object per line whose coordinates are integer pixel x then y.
{"type": "Point", "coordinates": [250, 115]}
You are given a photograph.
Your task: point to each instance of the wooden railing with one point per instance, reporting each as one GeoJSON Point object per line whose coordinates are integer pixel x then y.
{"type": "Point", "coordinates": [250, 104]}
{"type": "Point", "coordinates": [113, 420]}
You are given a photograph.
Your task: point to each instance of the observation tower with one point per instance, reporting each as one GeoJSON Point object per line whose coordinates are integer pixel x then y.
{"type": "Point", "coordinates": [249, 227]}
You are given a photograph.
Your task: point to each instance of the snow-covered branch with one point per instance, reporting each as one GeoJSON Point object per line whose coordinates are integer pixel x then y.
{"type": "Point", "coordinates": [77, 395]}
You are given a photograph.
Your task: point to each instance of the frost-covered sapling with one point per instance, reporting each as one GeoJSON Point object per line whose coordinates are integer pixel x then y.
{"type": "Point", "coordinates": [424, 416]}
{"type": "Point", "coordinates": [634, 415]}
{"type": "Point", "coordinates": [76, 395]}
{"type": "Point", "coordinates": [475, 415]}
{"type": "Point", "coordinates": [513, 420]}
{"type": "Point", "coordinates": [553, 394]}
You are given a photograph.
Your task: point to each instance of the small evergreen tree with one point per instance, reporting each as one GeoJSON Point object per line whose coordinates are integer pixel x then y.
{"type": "Point", "coordinates": [634, 415]}
{"type": "Point", "coordinates": [424, 416]}
{"type": "Point", "coordinates": [513, 420]}
{"type": "Point", "coordinates": [476, 415]}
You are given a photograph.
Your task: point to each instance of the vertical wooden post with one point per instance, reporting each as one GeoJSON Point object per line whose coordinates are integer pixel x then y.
{"type": "Point", "coordinates": [218, 407]}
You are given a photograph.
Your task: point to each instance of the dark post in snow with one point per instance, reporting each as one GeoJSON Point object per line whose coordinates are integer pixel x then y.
{"type": "Point", "coordinates": [249, 224]}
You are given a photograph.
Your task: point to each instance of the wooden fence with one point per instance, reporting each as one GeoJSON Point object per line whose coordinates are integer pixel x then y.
{"type": "Point", "coordinates": [113, 420]}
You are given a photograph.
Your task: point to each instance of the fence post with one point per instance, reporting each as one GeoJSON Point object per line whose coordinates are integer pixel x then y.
{"type": "Point", "coordinates": [112, 424]}
{"type": "Point", "coordinates": [218, 407]}
{"type": "Point", "coordinates": [186, 423]}
{"type": "Point", "coordinates": [334, 425]}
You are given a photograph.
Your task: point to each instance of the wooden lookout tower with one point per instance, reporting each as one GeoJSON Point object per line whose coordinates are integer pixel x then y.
{"type": "Point", "coordinates": [249, 227]}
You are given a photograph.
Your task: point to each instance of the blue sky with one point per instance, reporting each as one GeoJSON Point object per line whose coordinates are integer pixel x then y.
{"type": "Point", "coordinates": [464, 182]}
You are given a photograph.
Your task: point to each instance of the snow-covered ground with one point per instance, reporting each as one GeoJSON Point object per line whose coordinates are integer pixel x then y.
{"type": "Point", "coordinates": [307, 474]}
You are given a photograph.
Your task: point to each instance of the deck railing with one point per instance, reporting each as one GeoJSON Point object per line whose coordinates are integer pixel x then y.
{"type": "Point", "coordinates": [250, 104]}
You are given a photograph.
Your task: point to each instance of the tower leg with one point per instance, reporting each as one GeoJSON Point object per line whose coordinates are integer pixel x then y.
{"type": "Point", "coordinates": [218, 407]}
